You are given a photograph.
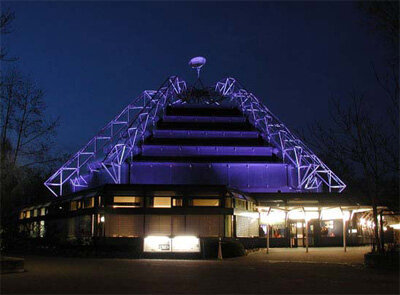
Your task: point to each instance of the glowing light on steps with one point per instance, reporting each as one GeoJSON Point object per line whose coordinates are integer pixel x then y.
{"type": "Point", "coordinates": [176, 244]}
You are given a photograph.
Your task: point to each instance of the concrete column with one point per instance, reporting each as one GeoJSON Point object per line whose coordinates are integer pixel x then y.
{"type": "Point", "coordinates": [381, 232]}
{"type": "Point", "coordinates": [306, 221]}
{"type": "Point", "coordinates": [93, 229]}
{"type": "Point", "coordinates": [219, 249]}
{"type": "Point", "coordinates": [267, 238]}
{"type": "Point", "coordinates": [344, 234]}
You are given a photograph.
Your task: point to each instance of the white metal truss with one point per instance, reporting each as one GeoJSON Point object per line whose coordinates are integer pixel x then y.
{"type": "Point", "coordinates": [117, 140]}
{"type": "Point", "coordinates": [312, 173]}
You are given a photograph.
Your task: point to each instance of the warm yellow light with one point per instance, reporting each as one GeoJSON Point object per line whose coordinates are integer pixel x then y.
{"type": "Point", "coordinates": [161, 202]}
{"type": "Point", "coordinates": [248, 214]}
{"type": "Point", "coordinates": [346, 215]}
{"type": "Point", "coordinates": [329, 214]}
{"type": "Point", "coordinates": [312, 215]}
{"type": "Point", "coordinates": [362, 210]}
{"type": "Point", "coordinates": [125, 206]}
{"type": "Point", "coordinates": [274, 217]}
{"type": "Point", "coordinates": [185, 244]}
{"type": "Point", "coordinates": [370, 224]}
{"type": "Point", "coordinates": [296, 214]}
{"type": "Point", "coordinates": [167, 244]}
{"type": "Point", "coordinates": [157, 244]}
{"type": "Point", "coordinates": [311, 208]}
{"type": "Point", "coordinates": [300, 214]}
{"type": "Point", "coordinates": [395, 226]}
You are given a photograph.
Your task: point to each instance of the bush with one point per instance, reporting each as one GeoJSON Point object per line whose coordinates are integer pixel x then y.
{"type": "Point", "coordinates": [229, 248]}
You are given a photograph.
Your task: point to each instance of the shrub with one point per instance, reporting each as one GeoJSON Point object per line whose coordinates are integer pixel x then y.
{"type": "Point", "coordinates": [229, 248]}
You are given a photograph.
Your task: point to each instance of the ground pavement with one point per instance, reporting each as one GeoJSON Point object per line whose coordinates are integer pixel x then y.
{"type": "Point", "coordinates": [322, 270]}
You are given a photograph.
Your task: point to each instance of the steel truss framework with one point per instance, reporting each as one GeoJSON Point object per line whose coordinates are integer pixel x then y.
{"type": "Point", "coordinates": [312, 173]}
{"type": "Point", "coordinates": [119, 139]}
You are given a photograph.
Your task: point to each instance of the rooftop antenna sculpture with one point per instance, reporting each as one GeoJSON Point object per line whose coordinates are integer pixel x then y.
{"type": "Point", "coordinates": [197, 63]}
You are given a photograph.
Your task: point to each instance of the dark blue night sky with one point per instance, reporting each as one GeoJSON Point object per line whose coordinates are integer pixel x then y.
{"type": "Point", "coordinates": [93, 58]}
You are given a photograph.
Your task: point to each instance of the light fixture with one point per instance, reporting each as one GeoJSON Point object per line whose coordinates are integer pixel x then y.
{"type": "Point", "coordinates": [330, 214]}
{"type": "Point", "coordinates": [296, 214]}
{"type": "Point", "coordinates": [274, 217]}
{"type": "Point", "coordinates": [189, 244]}
{"type": "Point", "coordinates": [185, 244]}
{"type": "Point", "coordinates": [157, 244]}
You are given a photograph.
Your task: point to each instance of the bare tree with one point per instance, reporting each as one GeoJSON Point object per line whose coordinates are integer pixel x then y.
{"type": "Point", "coordinates": [382, 19]}
{"type": "Point", "coordinates": [24, 126]}
{"type": "Point", "coordinates": [361, 144]}
{"type": "Point", "coordinates": [6, 18]}
{"type": "Point", "coordinates": [25, 144]}
{"type": "Point", "coordinates": [26, 138]}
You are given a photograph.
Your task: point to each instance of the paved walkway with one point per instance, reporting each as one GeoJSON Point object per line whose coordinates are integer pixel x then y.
{"type": "Point", "coordinates": [353, 255]}
{"type": "Point", "coordinates": [317, 272]}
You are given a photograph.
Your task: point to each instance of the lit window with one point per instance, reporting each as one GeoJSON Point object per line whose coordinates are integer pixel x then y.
{"type": "Point", "coordinates": [161, 202]}
{"type": "Point", "coordinates": [177, 202]}
{"type": "Point", "coordinates": [42, 211]}
{"type": "Point", "coordinates": [42, 229]}
{"type": "Point", "coordinates": [278, 231]}
{"type": "Point", "coordinates": [88, 203]}
{"type": "Point", "coordinates": [327, 229]}
{"type": "Point", "coordinates": [205, 202]}
{"type": "Point", "coordinates": [28, 214]}
{"type": "Point", "coordinates": [74, 205]}
{"type": "Point", "coordinates": [127, 202]}
{"type": "Point", "coordinates": [21, 215]}
{"type": "Point", "coordinates": [35, 213]}
{"type": "Point", "coordinates": [250, 206]}
{"type": "Point", "coordinates": [228, 202]}
{"type": "Point", "coordinates": [240, 204]}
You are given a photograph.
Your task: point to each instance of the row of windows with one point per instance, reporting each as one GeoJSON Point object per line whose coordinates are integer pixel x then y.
{"type": "Point", "coordinates": [72, 206]}
{"type": "Point", "coordinates": [79, 204]}
{"type": "Point", "coordinates": [169, 202]}
{"type": "Point", "coordinates": [245, 205]}
{"type": "Point", "coordinates": [34, 229]}
{"type": "Point", "coordinates": [161, 202]}
{"type": "Point", "coordinates": [240, 203]}
{"type": "Point", "coordinates": [154, 202]}
{"type": "Point", "coordinates": [32, 213]}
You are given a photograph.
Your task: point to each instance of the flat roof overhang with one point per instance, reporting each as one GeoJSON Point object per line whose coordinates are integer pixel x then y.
{"type": "Point", "coordinates": [308, 199]}
{"type": "Point", "coordinates": [143, 188]}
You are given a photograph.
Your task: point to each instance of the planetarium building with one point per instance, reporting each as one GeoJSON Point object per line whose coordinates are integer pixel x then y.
{"type": "Point", "coordinates": [187, 163]}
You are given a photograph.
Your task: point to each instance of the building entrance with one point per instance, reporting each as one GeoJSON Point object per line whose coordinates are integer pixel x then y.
{"type": "Point", "coordinates": [298, 234]}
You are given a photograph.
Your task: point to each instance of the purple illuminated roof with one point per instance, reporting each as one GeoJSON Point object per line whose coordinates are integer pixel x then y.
{"type": "Point", "coordinates": [163, 135]}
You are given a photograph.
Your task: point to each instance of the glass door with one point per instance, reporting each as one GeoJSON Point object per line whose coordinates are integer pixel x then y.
{"type": "Point", "coordinates": [300, 234]}
{"type": "Point", "coordinates": [293, 234]}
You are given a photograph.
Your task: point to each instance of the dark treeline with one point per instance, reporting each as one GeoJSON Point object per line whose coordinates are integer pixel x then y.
{"type": "Point", "coordinates": [360, 141]}
{"type": "Point", "coordinates": [26, 138]}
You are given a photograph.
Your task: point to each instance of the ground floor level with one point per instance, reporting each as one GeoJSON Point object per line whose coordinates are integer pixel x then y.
{"type": "Point", "coordinates": [282, 271]}
{"type": "Point", "coordinates": [188, 232]}
{"type": "Point", "coordinates": [176, 218]}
